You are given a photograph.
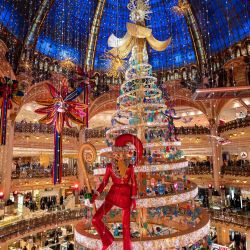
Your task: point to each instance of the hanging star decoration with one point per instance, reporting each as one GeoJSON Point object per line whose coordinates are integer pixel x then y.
{"type": "Point", "coordinates": [115, 66]}
{"type": "Point", "coordinates": [60, 109]}
{"type": "Point", "coordinates": [181, 8]}
{"type": "Point", "coordinates": [68, 64]}
{"type": "Point", "coordinates": [139, 10]}
{"type": "Point", "coordinates": [9, 94]}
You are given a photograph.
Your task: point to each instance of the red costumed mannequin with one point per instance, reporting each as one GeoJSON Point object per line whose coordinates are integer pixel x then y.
{"type": "Point", "coordinates": [121, 194]}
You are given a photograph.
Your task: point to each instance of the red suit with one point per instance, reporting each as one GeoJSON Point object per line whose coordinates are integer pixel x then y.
{"type": "Point", "coordinates": [121, 195]}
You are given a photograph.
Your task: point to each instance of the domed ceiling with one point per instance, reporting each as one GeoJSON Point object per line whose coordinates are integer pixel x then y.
{"type": "Point", "coordinates": [164, 23]}
{"type": "Point", "coordinates": [65, 32]}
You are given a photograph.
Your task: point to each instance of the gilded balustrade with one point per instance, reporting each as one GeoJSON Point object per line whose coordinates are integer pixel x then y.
{"type": "Point", "coordinates": [194, 130]}
{"type": "Point", "coordinates": [29, 127]}
{"type": "Point", "coordinates": [28, 226]}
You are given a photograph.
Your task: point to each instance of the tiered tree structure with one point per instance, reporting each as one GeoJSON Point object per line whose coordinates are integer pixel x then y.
{"type": "Point", "coordinates": [166, 216]}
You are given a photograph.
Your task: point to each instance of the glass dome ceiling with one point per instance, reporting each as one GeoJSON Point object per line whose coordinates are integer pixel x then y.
{"type": "Point", "coordinates": [66, 29]}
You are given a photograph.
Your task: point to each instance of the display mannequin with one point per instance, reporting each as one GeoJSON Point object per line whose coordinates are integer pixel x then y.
{"type": "Point", "coordinates": [122, 193]}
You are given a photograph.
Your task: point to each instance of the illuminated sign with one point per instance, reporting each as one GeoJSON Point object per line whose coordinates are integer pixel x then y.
{"type": "Point", "coordinates": [243, 155]}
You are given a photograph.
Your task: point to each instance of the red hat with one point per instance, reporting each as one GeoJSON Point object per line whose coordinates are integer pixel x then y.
{"type": "Point", "coordinates": [123, 140]}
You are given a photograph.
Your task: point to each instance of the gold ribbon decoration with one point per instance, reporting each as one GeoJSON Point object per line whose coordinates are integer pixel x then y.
{"type": "Point", "coordinates": [121, 47]}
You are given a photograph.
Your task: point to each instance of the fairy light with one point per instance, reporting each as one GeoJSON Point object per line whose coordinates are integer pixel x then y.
{"type": "Point", "coordinates": [175, 165]}
{"type": "Point", "coordinates": [168, 242]}
{"type": "Point", "coordinates": [165, 200]}
{"type": "Point", "coordinates": [64, 35]}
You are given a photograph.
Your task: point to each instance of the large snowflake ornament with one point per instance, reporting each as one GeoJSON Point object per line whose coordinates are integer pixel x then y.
{"type": "Point", "coordinates": [139, 10]}
{"type": "Point", "coordinates": [181, 8]}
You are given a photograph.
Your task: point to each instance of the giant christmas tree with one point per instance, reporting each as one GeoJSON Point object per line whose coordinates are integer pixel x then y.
{"type": "Point", "coordinates": [166, 216]}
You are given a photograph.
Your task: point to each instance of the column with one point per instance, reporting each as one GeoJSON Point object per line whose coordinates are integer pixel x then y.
{"type": "Point", "coordinates": [6, 156]}
{"type": "Point", "coordinates": [222, 235]}
{"type": "Point", "coordinates": [216, 154]}
{"type": "Point", "coordinates": [6, 151]}
{"type": "Point", "coordinates": [5, 246]}
{"type": "Point", "coordinates": [248, 239]}
{"type": "Point", "coordinates": [44, 160]}
{"type": "Point", "coordinates": [80, 175]}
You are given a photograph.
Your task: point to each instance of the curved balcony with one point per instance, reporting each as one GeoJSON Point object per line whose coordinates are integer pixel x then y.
{"type": "Point", "coordinates": [29, 127]}
{"type": "Point", "coordinates": [41, 173]}
{"type": "Point", "coordinates": [95, 133]}
{"type": "Point", "coordinates": [158, 200]}
{"type": "Point", "coordinates": [195, 130]}
{"type": "Point", "coordinates": [25, 227]}
{"type": "Point", "coordinates": [235, 124]}
{"type": "Point", "coordinates": [236, 219]}
{"type": "Point", "coordinates": [236, 170]}
{"type": "Point", "coordinates": [198, 170]}
{"type": "Point", "coordinates": [24, 127]}
{"type": "Point", "coordinates": [87, 239]}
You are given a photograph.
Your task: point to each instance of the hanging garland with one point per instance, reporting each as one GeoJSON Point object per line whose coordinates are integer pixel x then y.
{"type": "Point", "coordinates": [59, 109]}
{"type": "Point", "coordinates": [9, 92]}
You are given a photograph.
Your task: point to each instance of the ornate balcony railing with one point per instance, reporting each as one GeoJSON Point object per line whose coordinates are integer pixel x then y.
{"type": "Point", "coordinates": [201, 169]}
{"type": "Point", "coordinates": [27, 226]}
{"type": "Point", "coordinates": [24, 127]}
{"type": "Point", "coordinates": [95, 133]}
{"type": "Point", "coordinates": [40, 173]}
{"type": "Point", "coordinates": [235, 124]}
{"type": "Point", "coordinates": [237, 169]}
{"type": "Point", "coordinates": [195, 130]}
{"type": "Point", "coordinates": [29, 127]}
{"type": "Point", "coordinates": [227, 217]}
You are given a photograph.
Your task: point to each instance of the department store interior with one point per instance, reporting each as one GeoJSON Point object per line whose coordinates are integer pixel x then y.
{"type": "Point", "coordinates": [144, 103]}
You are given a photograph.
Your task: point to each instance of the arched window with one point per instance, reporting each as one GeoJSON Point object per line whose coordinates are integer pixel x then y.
{"type": "Point", "coordinates": [238, 54]}
{"type": "Point", "coordinates": [176, 75]}
{"type": "Point", "coordinates": [184, 74]}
